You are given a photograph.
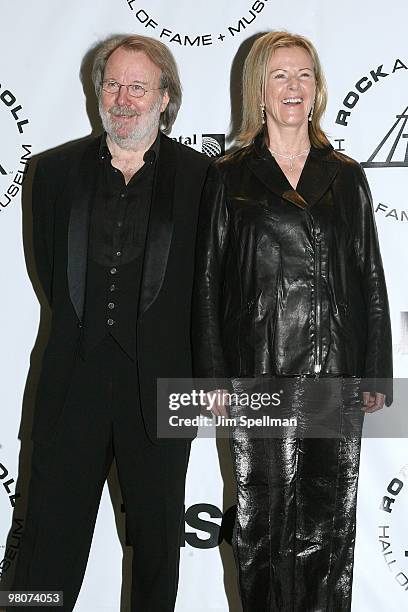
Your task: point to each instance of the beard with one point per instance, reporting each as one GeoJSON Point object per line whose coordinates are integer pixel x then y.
{"type": "Point", "coordinates": [147, 124]}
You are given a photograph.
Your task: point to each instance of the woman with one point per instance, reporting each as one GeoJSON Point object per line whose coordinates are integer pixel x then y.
{"type": "Point", "coordinates": [290, 285]}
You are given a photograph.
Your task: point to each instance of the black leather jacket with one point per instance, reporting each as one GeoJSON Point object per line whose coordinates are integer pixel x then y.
{"type": "Point", "coordinates": [290, 282]}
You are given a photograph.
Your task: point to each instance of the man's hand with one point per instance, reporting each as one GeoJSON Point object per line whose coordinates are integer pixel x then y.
{"type": "Point", "coordinates": [373, 401]}
{"type": "Point", "coordinates": [217, 401]}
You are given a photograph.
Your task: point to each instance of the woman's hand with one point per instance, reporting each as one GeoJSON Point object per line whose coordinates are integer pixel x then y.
{"type": "Point", "coordinates": [217, 401]}
{"type": "Point", "coordinates": [372, 401]}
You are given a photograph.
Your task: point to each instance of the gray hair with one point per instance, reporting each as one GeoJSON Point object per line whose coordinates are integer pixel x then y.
{"type": "Point", "coordinates": [159, 55]}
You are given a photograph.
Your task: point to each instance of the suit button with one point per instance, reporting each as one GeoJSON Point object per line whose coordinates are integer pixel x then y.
{"type": "Point", "coordinates": [111, 322]}
{"type": "Point", "coordinates": [111, 305]}
{"type": "Point", "coordinates": [113, 270]}
{"type": "Point", "coordinates": [118, 253]}
{"type": "Point", "coordinates": [112, 287]}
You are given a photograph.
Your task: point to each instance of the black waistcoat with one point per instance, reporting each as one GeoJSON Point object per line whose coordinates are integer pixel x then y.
{"type": "Point", "coordinates": [111, 305]}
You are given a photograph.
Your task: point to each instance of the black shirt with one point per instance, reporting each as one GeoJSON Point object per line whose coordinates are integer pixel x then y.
{"type": "Point", "coordinates": [119, 221]}
{"type": "Point", "coordinates": [120, 212]}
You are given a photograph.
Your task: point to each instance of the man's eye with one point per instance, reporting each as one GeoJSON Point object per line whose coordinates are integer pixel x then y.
{"type": "Point", "coordinates": [136, 88]}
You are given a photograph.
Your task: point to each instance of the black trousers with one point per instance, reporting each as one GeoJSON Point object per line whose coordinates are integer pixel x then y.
{"type": "Point", "coordinates": [101, 419]}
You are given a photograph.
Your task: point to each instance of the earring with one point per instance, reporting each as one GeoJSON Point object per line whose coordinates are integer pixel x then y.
{"type": "Point", "coordinates": [263, 113]}
{"type": "Point", "coordinates": [310, 117]}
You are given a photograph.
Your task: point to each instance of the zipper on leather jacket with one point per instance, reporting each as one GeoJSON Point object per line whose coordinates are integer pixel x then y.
{"type": "Point", "coordinates": [318, 304]}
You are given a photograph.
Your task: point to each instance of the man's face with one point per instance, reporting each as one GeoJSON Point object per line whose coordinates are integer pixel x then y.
{"type": "Point", "coordinates": [131, 121]}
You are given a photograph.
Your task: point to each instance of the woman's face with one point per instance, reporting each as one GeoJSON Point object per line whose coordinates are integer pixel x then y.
{"type": "Point", "coordinates": [290, 87]}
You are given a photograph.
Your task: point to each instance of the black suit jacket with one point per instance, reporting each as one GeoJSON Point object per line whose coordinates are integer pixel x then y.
{"type": "Point", "coordinates": [62, 193]}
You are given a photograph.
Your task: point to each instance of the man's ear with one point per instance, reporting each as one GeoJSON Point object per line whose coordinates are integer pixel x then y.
{"type": "Point", "coordinates": [165, 101]}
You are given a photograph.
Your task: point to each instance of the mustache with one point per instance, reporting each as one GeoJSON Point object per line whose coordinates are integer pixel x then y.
{"type": "Point", "coordinates": [118, 111]}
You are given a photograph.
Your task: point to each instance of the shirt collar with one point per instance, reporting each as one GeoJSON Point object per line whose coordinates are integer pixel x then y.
{"type": "Point", "coordinates": [150, 155]}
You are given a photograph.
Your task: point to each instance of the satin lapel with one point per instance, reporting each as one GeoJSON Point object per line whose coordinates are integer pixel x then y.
{"type": "Point", "coordinates": [80, 189]}
{"type": "Point", "coordinates": [318, 174]}
{"type": "Point", "coordinates": [160, 228]}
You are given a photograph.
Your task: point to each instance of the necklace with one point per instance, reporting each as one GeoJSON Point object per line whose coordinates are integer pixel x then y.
{"type": "Point", "coordinates": [291, 158]}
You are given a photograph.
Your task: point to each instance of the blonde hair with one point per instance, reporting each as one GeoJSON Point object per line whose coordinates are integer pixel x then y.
{"type": "Point", "coordinates": [254, 82]}
{"type": "Point", "coordinates": [159, 55]}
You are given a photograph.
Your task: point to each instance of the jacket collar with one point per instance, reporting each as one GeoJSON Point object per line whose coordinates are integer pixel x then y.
{"type": "Point", "coordinates": [319, 172]}
{"type": "Point", "coordinates": [81, 186]}
{"type": "Point", "coordinates": [160, 227]}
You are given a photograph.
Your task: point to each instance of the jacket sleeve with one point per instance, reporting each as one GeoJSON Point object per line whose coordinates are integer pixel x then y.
{"type": "Point", "coordinates": [212, 241]}
{"type": "Point", "coordinates": [378, 363]}
{"type": "Point", "coordinates": [43, 229]}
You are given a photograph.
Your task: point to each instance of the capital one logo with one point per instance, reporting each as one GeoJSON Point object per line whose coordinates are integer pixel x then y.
{"type": "Point", "coordinates": [212, 145]}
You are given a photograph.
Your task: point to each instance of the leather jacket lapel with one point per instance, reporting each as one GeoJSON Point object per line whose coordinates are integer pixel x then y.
{"type": "Point", "coordinates": [160, 228]}
{"type": "Point", "coordinates": [80, 189]}
{"type": "Point", "coordinates": [273, 178]}
{"type": "Point", "coordinates": [318, 173]}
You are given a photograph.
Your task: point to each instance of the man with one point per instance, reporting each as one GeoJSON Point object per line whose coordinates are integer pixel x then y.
{"type": "Point", "coordinates": [114, 232]}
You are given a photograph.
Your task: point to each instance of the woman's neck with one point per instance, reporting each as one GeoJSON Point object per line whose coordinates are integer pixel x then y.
{"type": "Point", "coordinates": [290, 148]}
{"type": "Point", "coordinates": [288, 141]}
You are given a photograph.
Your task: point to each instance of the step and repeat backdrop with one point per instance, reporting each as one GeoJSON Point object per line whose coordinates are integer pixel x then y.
{"type": "Point", "coordinates": [46, 100]}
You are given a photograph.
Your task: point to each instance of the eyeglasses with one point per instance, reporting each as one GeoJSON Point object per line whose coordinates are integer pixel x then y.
{"type": "Point", "coordinates": [134, 90]}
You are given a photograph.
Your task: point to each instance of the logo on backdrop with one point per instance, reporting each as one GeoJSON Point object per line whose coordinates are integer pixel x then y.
{"type": "Point", "coordinates": [220, 32]}
{"type": "Point", "coordinates": [15, 153]}
{"type": "Point", "coordinates": [212, 145]}
{"type": "Point", "coordinates": [392, 540]}
{"type": "Point", "coordinates": [12, 547]}
{"type": "Point", "coordinates": [217, 527]}
{"type": "Point", "coordinates": [7, 485]}
{"type": "Point", "coordinates": [206, 526]}
{"type": "Point", "coordinates": [391, 150]}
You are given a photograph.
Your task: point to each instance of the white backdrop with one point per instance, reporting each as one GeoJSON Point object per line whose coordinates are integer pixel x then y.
{"type": "Point", "coordinates": [363, 49]}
